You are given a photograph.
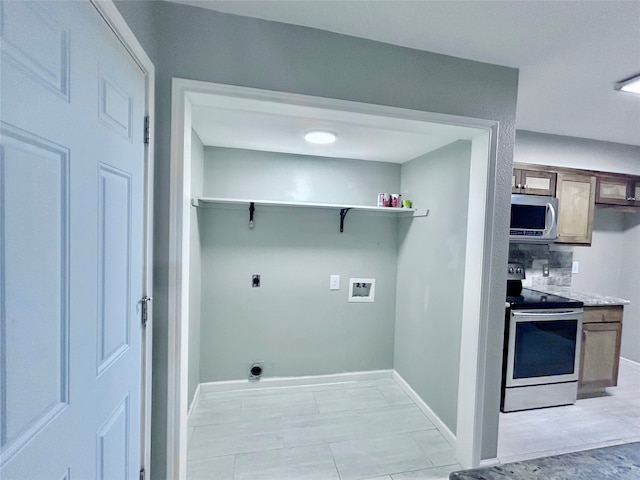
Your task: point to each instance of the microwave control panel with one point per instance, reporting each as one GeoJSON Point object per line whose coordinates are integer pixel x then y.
{"type": "Point", "coordinates": [526, 233]}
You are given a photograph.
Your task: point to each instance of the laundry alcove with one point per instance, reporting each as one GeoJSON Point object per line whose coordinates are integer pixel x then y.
{"type": "Point", "coordinates": [293, 324]}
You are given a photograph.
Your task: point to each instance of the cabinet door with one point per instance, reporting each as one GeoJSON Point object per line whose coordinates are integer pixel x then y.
{"type": "Point", "coordinates": [600, 355]}
{"type": "Point", "coordinates": [533, 182]}
{"type": "Point", "coordinates": [538, 183]}
{"type": "Point", "coordinates": [612, 191]}
{"type": "Point", "coordinates": [634, 192]}
{"type": "Point", "coordinates": [516, 181]}
{"type": "Point", "coordinates": [576, 201]}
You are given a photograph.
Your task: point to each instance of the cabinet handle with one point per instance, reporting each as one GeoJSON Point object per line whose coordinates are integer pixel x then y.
{"type": "Point", "coordinates": [525, 186]}
{"type": "Point", "coordinates": [604, 317]}
{"type": "Point", "coordinates": [519, 185]}
{"type": "Point", "coordinates": [631, 199]}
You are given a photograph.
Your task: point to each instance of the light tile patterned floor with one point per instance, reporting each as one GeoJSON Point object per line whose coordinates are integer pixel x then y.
{"type": "Point", "coordinates": [361, 430]}
{"type": "Point", "coordinates": [599, 421]}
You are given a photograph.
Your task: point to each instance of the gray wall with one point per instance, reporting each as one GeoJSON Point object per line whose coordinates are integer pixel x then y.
{"type": "Point", "coordinates": [431, 260]}
{"type": "Point", "coordinates": [236, 173]}
{"type": "Point", "coordinates": [601, 264]}
{"type": "Point", "coordinates": [205, 45]}
{"type": "Point", "coordinates": [195, 266]}
{"type": "Point", "coordinates": [630, 288]}
{"type": "Point", "coordinates": [573, 152]}
{"type": "Point", "coordinates": [139, 15]}
{"type": "Point", "coordinates": [293, 322]}
{"type": "Point", "coordinates": [610, 265]}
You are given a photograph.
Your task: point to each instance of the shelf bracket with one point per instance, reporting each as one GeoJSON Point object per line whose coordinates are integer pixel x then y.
{"type": "Point", "coordinates": [343, 213]}
{"type": "Point", "coordinates": [252, 209]}
{"type": "Point", "coordinates": [195, 202]}
{"type": "Point", "coordinates": [421, 213]}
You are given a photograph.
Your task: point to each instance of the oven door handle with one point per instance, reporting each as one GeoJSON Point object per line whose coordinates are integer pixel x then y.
{"type": "Point", "coordinates": [544, 314]}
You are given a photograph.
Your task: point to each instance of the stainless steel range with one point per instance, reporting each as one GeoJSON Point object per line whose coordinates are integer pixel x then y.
{"type": "Point", "coordinates": [542, 347]}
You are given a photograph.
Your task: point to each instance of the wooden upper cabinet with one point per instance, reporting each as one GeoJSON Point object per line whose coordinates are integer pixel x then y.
{"type": "Point", "coordinates": [533, 182]}
{"type": "Point", "coordinates": [576, 201]}
{"type": "Point", "coordinates": [618, 191]}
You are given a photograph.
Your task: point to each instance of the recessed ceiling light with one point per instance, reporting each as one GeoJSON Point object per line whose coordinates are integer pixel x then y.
{"type": "Point", "coordinates": [631, 85]}
{"type": "Point", "coordinates": [320, 137]}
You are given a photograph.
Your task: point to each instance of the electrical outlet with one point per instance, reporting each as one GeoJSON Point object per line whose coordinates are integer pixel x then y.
{"type": "Point", "coordinates": [255, 281]}
{"type": "Point", "coordinates": [334, 282]}
{"type": "Point", "coordinates": [575, 267]}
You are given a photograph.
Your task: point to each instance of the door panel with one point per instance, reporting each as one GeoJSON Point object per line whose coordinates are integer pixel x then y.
{"type": "Point", "coordinates": [36, 42]}
{"type": "Point", "coordinates": [114, 253]}
{"type": "Point", "coordinates": [35, 241]}
{"type": "Point", "coordinates": [113, 444]}
{"type": "Point", "coordinates": [72, 161]}
{"type": "Point", "coordinates": [116, 106]}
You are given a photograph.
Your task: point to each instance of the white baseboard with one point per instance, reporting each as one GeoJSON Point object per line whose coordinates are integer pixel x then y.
{"type": "Point", "coordinates": [444, 430]}
{"type": "Point", "coordinates": [630, 362]}
{"type": "Point", "coordinates": [489, 462]}
{"type": "Point", "coordinates": [194, 402]}
{"type": "Point", "coordinates": [279, 382]}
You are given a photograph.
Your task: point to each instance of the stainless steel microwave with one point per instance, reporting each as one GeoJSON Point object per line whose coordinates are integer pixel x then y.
{"type": "Point", "coordinates": [534, 219]}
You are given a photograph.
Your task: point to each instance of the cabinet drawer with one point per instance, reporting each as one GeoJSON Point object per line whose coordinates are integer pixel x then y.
{"type": "Point", "coordinates": [602, 314]}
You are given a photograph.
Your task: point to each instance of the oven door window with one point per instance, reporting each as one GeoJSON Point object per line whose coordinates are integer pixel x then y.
{"type": "Point", "coordinates": [545, 348]}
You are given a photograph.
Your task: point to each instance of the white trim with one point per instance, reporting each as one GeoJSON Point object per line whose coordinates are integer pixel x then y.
{"type": "Point", "coordinates": [291, 382]}
{"type": "Point", "coordinates": [632, 362]}
{"type": "Point", "coordinates": [475, 308]}
{"type": "Point", "coordinates": [118, 25]}
{"type": "Point", "coordinates": [195, 88]}
{"type": "Point", "coordinates": [183, 91]}
{"type": "Point", "coordinates": [194, 402]}
{"type": "Point", "coordinates": [430, 414]}
{"type": "Point", "coordinates": [178, 284]}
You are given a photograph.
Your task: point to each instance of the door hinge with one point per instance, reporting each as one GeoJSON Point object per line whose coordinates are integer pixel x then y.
{"type": "Point", "coordinates": [142, 475]}
{"type": "Point", "coordinates": [144, 301]}
{"type": "Point", "coordinates": [147, 130]}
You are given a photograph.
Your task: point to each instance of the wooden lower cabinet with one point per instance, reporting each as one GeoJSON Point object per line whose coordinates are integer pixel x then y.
{"type": "Point", "coordinates": [600, 350]}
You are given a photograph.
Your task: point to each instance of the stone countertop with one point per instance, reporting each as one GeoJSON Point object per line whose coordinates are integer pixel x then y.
{"type": "Point", "coordinates": [589, 299]}
{"type": "Point", "coordinates": [609, 463]}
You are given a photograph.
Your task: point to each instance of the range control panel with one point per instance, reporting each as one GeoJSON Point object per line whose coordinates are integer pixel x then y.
{"type": "Point", "coordinates": [515, 271]}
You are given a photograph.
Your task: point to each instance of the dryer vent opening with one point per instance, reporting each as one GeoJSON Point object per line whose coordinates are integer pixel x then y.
{"type": "Point", "coordinates": [255, 372]}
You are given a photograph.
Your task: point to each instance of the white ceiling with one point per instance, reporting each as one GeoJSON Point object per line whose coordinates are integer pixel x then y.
{"type": "Point", "coordinates": [233, 122]}
{"type": "Point", "coordinates": [570, 53]}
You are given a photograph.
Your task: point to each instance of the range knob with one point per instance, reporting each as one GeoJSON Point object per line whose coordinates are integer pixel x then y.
{"type": "Point", "coordinates": [511, 270]}
{"type": "Point", "coordinates": [519, 270]}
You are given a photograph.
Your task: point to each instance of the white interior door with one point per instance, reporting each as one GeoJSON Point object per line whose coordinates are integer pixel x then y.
{"type": "Point", "coordinates": [71, 189]}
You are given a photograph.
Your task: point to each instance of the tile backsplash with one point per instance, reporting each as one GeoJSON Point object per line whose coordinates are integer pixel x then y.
{"type": "Point", "coordinates": [534, 257]}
